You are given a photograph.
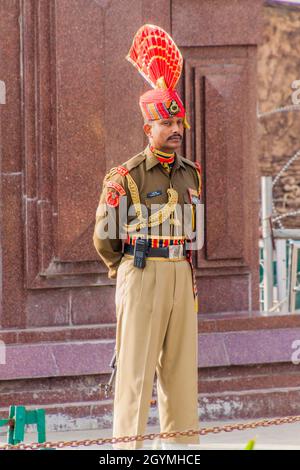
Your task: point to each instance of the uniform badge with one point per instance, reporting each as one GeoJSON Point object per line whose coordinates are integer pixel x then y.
{"type": "Point", "coordinates": [194, 196]}
{"type": "Point", "coordinates": [112, 198]}
{"type": "Point", "coordinates": [173, 108]}
{"type": "Point", "coordinates": [113, 194]}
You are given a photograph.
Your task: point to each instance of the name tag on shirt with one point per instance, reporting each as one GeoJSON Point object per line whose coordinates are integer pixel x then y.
{"type": "Point", "coordinates": [157, 192]}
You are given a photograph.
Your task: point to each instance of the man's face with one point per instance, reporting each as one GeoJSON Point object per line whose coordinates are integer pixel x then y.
{"type": "Point", "coordinates": [165, 134]}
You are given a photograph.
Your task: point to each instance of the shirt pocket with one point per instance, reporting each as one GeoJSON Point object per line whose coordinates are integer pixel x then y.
{"type": "Point", "coordinates": [155, 203]}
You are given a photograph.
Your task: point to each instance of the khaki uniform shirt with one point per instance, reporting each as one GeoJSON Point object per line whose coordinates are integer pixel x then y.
{"type": "Point", "coordinates": [157, 204]}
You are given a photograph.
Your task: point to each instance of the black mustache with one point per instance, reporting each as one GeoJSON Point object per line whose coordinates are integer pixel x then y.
{"type": "Point", "coordinates": [177, 135]}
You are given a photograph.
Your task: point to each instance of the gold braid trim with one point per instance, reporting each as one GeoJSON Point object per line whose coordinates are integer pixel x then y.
{"type": "Point", "coordinates": [135, 196]}
{"type": "Point", "coordinates": [132, 188]}
{"type": "Point", "coordinates": [164, 213]}
{"type": "Point", "coordinates": [155, 219]}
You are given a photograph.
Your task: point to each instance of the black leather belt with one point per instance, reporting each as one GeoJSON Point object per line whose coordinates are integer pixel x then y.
{"type": "Point", "coordinates": [171, 251]}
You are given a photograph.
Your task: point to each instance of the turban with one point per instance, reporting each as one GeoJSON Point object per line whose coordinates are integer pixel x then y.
{"type": "Point", "coordinates": [159, 61]}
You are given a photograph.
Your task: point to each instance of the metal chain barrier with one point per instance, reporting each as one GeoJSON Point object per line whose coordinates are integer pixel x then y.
{"type": "Point", "coordinates": [152, 436]}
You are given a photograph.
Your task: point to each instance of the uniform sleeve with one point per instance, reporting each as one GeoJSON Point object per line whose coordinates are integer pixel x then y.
{"type": "Point", "coordinates": [109, 247]}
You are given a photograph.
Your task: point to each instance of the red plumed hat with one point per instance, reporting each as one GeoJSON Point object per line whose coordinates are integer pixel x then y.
{"type": "Point", "coordinates": [159, 61]}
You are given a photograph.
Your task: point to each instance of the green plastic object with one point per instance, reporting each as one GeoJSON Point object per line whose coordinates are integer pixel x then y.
{"type": "Point", "coordinates": [250, 444]}
{"type": "Point", "coordinates": [20, 418]}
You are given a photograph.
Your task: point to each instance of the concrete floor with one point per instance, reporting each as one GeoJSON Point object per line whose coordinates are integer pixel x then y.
{"type": "Point", "coordinates": [284, 436]}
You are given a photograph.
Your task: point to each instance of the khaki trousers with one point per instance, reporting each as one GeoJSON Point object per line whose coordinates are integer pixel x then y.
{"type": "Point", "coordinates": [157, 331]}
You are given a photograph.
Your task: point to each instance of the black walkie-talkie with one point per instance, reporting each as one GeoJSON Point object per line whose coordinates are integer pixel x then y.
{"type": "Point", "coordinates": [140, 251]}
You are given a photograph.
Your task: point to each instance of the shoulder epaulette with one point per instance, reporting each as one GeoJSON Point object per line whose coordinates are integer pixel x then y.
{"type": "Point", "coordinates": [122, 170]}
{"type": "Point", "coordinates": [135, 161]}
{"type": "Point", "coordinates": [187, 161]}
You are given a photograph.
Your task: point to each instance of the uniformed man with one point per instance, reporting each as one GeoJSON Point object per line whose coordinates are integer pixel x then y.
{"type": "Point", "coordinates": [145, 229]}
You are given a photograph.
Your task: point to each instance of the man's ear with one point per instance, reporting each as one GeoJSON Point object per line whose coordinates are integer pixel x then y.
{"type": "Point", "coordinates": [147, 129]}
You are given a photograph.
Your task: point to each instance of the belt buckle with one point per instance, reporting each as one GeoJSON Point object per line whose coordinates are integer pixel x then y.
{"type": "Point", "coordinates": [175, 251]}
